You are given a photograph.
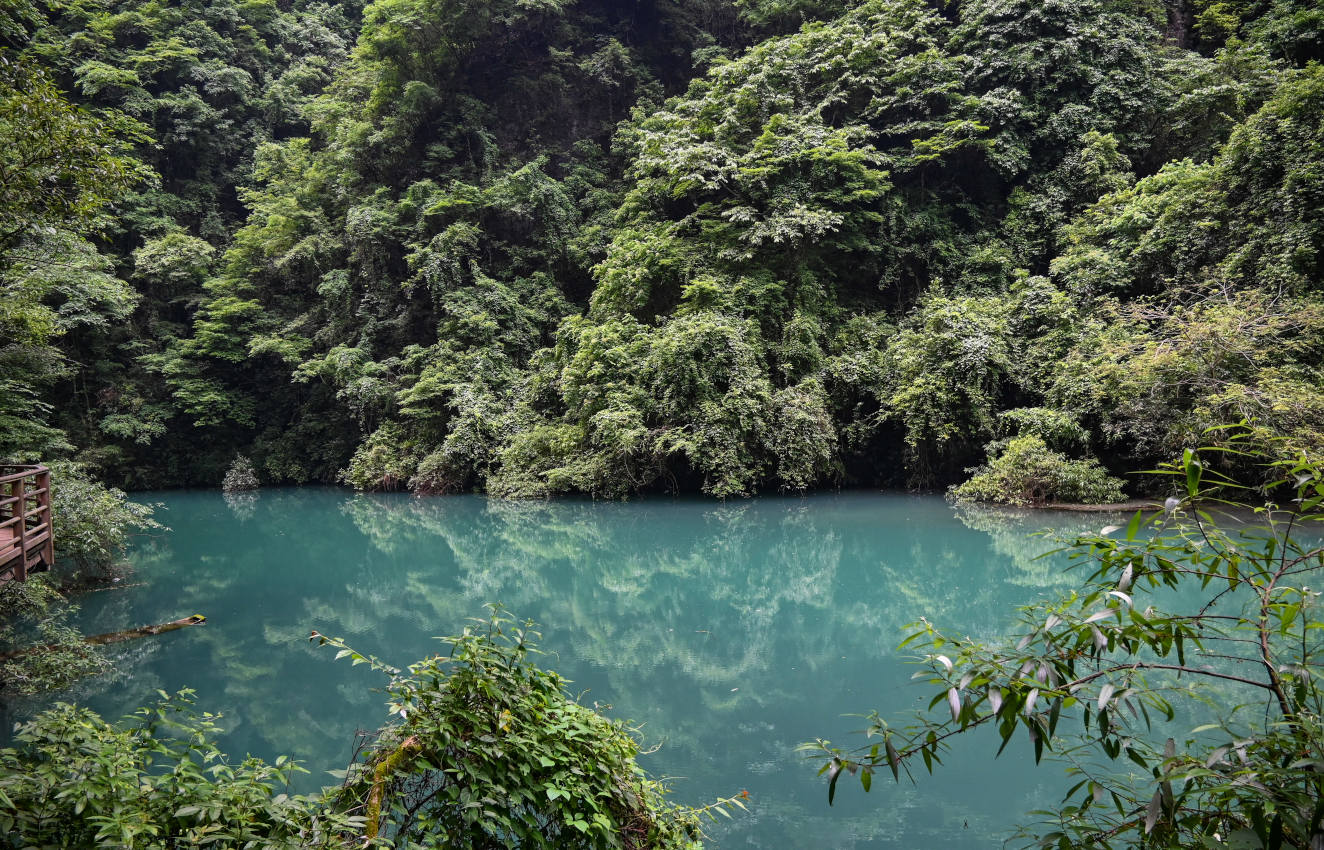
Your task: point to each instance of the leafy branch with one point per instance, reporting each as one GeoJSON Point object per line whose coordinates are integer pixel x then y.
{"type": "Point", "coordinates": [1098, 675]}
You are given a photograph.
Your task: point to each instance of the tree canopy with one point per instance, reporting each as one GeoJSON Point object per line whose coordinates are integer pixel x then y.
{"type": "Point", "coordinates": [555, 247]}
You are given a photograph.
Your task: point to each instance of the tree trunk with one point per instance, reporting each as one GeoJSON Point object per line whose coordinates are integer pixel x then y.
{"type": "Point", "coordinates": [1179, 23]}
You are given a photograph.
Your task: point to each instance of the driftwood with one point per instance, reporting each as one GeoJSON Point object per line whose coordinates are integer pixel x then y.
{"type": "Point", "coordinates": [116, 637]}
{"type": "Point", "coordinates": [145, 631]}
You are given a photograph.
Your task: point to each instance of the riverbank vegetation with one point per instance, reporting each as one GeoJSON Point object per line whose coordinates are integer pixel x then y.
{"type": "Point", "coordinates": [541, 247]}
{"type": "Point", "coordinates": [538, 248]}
{"type": "Point", "coordinates": [490, 751]}
{"type": "Point", "coordinates": [1189, 650]}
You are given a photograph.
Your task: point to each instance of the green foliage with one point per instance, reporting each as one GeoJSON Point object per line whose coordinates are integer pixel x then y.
{"type": "Point", "coordinates": [157, 782]}
{"type": "Point", "coordinates": [1057, 428]}
{"type": "Point", "coordinates": [1292, 30]}
{"type": "Point", "coordinates": [43, 651]}
{"type": "Point", "coordinates": [1162, 374]}
{"type": "Point", "coordinates": [493, 752]}
{"type": "Point", "coordinates": [410, 258]}
{"type": "Point", "coordinates": [490, 752]}
{"type": "Point", "coordinates": [784, 15]}
{"type": "Point", "coordinates": [383, 462]}
{"type": "Point", "coordinates": [1179, 617]}
{"type": "Point", "coordinates": [1204, 283]}
{"type": "Point", "coordinates": [1239, 220]}
{"type": "Point", "coordinates": [209, 81]}
{"type": "Point", "coordinates": [93, 522]}
{"type": "Point", "coordinates": [16, 18]}
{"type": "Point", "coordinates": [59, 163]}
{"type": "Point", "coordinates": [1024, 471]}
{"type": "Point", "coordinates": [776, 198]}
{"type": "Point", "coordinates": [485, 238]}
{"type": "Point", "coordinates": [56, 284]}
{"type": "Point", "coordinates": [173, 263]}
{"type": "Point", "coordinates": [49, 287]}
{"type": "Point", "coordinates": [944, 374]}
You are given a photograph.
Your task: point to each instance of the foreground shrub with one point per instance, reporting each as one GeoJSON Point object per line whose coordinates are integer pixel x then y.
{"type": "Point", "coordinates": [39, 650]}
{"type": "Point", "coordinates": [492, 752]}
{"type": "Point", "coordinates": [158, 782]}
{"type": "Point", "coordinates": [92, 522]}
{"type": "Point", "coordinates": [1027, 472]}
{"type": "Point", "coordinates": [1180, 617]}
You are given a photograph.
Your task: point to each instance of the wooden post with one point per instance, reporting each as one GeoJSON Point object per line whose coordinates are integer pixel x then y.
{"type": "Point", "coordinates": [6, 512]}
{"type": "Point", "coordinates": [48, 550]}
{"type": "Point", "coordinates": [21, 509]}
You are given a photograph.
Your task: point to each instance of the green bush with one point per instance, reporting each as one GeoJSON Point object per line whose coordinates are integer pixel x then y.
{"type": "Point", "coordinates": [240, 476]}
{"type": "Point", "coordinates": [92, 522]}
{"type": "Point", "coordinates": [1027, 472]}
{"type": "Point", "coordinates": [385, 461]}
{"type": "Point", "coordinates": [160, 782]}
{"type": "Point", "coordinates": [92, 526]}
{"type": "Point", "coordinates": [492, 752]}
{"type": "Point", "coordinates": [42, 651]}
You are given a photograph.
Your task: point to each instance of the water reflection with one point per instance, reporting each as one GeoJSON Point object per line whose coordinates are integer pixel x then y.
{"type": "Point", "coordinates": [730, 631]}
{"type": "Point", "coordinates": [242, 504]}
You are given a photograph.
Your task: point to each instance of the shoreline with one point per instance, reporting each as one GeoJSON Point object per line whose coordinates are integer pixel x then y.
{"type": "Point", "coordinates": [1129, 506]}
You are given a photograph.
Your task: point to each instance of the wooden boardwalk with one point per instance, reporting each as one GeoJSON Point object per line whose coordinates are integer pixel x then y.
{"type": "Point", "coordinates": [26, 536]}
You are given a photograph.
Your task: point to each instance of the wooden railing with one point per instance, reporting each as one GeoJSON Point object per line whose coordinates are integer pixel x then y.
{"type": "Point", "coordinates": [26, 535]}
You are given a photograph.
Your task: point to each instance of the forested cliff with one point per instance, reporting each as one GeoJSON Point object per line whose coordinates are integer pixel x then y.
{"type": "Point", "coordinates": [560, 246]}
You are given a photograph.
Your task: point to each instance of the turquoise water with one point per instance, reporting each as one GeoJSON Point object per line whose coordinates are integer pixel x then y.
{"type": "Point", "coordinates": [731, 632]}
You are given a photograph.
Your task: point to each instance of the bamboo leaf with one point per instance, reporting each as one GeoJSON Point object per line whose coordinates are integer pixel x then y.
{"type": "Point", "coordinates": [1152, 811]}
{"type": "Point", "coordinates": [1105, 694]}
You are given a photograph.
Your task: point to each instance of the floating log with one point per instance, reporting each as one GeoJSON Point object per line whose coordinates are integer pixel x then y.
{"type": "Point", "coordinates": [145, 631]}
{"type": "Point", "coordinates": [116, 637]}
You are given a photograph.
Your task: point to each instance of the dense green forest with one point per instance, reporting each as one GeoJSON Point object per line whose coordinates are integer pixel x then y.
{"type": "Point", "coordinates": [544, 246]}
{"type": "Point", "coordinates": [1013, 248]}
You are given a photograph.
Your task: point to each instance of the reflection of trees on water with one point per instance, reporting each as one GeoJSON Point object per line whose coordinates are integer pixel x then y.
{"type": "Point", "coordinates": [725, 585]}
{"type": "Point", "coordinates": [243, 504]}
{"type": "Point", "coordinates": [1023, 537]}
{"type": "Point", "coordinates": [732, 631]}
{"type": "Point", "coordinates": [721, 602]}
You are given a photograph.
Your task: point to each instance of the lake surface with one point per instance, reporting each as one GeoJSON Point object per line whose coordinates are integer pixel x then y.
{"type": "Point", "coordinates": [730, 631]}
